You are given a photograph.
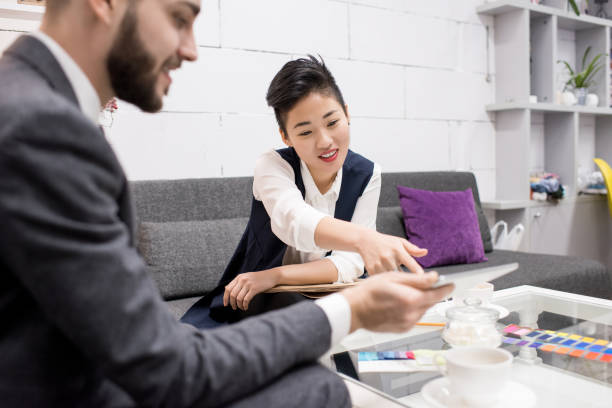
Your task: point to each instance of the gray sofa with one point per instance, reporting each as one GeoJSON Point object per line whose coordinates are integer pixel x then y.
{"type": "Point", "coordinates": [188, 230]}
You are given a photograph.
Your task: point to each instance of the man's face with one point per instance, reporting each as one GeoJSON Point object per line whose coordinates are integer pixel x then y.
{"type": "Point", "coordinates": [154, 38]}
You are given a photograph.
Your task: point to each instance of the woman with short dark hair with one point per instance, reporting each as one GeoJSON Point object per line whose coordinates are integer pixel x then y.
{"type": "Point", "coordinates": [314, 205]}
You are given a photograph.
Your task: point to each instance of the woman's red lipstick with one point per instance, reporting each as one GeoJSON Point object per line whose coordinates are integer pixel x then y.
{"type": "Point", "coordinates": [330, 158]}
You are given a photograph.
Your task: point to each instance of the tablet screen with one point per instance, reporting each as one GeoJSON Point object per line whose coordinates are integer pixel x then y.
{"type": "Point", "coordinates": [468, 279]}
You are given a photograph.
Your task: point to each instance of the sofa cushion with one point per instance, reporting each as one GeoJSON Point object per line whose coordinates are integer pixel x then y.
{"type": "Point", "coordinates": [435, 181]}
{"type": "Point", "coordinates": [188, 258]}
{"type": "Point", "coordinates": [565, 273]}
{"type": "Point", "coordinates": [445, 223]}
{"type": "Point", "coordinates": [390, 220]}
{"type": "Point", "coordinates": [192, 199]}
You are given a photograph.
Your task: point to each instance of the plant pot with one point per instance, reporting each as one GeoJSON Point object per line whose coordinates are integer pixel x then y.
{"type": "Point", "coordinates": [581, 94]}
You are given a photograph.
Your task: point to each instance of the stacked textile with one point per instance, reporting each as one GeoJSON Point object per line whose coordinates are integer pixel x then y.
{"type": "Point", "coordinates": [546, 187]}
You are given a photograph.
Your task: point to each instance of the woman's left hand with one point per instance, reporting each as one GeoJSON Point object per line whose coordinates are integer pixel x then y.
{"type": "Point", "coordinates": [240, 291]}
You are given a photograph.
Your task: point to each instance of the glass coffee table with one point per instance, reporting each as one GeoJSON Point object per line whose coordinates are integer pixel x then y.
{"type": "Point", "coordinates": [575, 374]}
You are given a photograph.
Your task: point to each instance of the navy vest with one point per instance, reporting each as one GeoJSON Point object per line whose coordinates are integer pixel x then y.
{"type": "Point", "coordinates": [260, 249]}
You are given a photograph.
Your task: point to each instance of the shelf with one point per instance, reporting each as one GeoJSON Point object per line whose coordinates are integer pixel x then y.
{"type": "Point", "coordinates": [506, 204]}
{"type": "Point", "coordinates": [548, 107]}
{"type": "Point", "coordinates": [567, 18]}
{"type": "Point", "coordinates": [20, 11]}
{"type": "Point", "coordinates": [522, 204]}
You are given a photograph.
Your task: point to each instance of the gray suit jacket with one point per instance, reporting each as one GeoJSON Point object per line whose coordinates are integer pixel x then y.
{"type": "Point", "coordinates": [81, 322]}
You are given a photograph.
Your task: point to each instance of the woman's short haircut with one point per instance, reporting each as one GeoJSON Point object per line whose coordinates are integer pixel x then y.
{"type": "Point", "coordinates": [296, 80]}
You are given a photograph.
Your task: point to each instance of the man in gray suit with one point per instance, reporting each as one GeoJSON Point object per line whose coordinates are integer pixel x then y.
{"type": "Point", "coordinates": [82, 322]}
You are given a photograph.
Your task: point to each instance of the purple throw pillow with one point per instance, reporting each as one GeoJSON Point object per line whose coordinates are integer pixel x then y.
{"type": "Point", "coordinates": [445, 223]}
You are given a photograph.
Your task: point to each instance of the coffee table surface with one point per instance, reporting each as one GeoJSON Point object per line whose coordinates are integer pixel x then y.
{"type": "Point", "coordinates": [557, 380]}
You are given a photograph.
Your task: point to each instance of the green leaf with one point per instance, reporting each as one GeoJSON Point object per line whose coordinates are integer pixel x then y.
{"type": "Point", "coordinates": [594, 64]}
{"type": "Point", "coordinates": [574, 7]}
{"type": "Point", "coordinates": [588, 79]}
{"type": "Point", "coordinates": [568, 67]}
{"type": "Point", "coordinates": [584, 78]}
{"type": "Point", "coordinates": [586, 54]}
{"type": "Point", "coordinates": [597, 57]}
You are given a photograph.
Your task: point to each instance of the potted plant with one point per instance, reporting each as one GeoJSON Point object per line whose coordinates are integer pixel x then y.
{"type": "Point", "coordinates": [580, 81]}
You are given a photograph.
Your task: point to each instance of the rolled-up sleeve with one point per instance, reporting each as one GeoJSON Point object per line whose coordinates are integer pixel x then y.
{"type": "Point", "coordinates": [292, 220]}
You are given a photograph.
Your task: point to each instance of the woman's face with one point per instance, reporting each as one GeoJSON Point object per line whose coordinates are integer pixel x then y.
{"type": "Point", "coordinates": [318, 130]}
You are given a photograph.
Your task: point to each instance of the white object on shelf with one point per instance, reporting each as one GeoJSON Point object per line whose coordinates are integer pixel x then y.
{"type": "Point", "coordinates": [592, 100]}
{"type": "Point", "coordinates": [568, 98]}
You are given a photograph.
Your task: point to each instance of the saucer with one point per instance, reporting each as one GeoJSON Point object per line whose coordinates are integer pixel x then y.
{"type": "Point", "coordinates": [441, 308]}
{"type": "Point", "coordinates": [513, 395]}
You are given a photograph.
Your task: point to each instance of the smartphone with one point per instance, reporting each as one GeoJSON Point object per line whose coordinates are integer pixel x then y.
{"type": "Point", "coordinates": [468, 279]}
{"type": "Point", "coordinates": [442, 281]}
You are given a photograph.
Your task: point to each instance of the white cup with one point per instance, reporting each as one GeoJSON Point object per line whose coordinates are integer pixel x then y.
{"type": "Point", "coordinates": [482, 291]}
{"type": "Point", "coordinates": [477, 375]}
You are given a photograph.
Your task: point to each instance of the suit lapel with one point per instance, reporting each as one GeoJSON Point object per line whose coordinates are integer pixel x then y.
{"type": "Point", "coordinates": [34, 53]}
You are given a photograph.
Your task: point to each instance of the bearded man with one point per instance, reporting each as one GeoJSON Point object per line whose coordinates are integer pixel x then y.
{"type": "Point", "coordinates": [83, 324]}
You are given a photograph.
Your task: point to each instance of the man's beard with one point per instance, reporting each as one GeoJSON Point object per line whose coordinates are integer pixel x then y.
{"type": "Point", "coordinates": [132, 68]}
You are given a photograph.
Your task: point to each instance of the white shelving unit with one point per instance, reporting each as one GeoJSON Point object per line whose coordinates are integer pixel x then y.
{"type": "Point", "coordinates": [549, 107]}
{"type": "Point", "coordinates": [529, 40]}
{"type": "Point", "coordinates": [527, 45]}
{"type": "Point", "coordinates": [522, 204]}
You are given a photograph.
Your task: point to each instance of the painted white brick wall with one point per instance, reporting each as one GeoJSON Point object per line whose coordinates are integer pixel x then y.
{"type": "Point", "coordinates": [366, 90]}
{"type": "Point", "coordinates": [224, 80]}
{"type": "Point", "coordinates": [402, 145]}
{"type": "Point", "coordinates": [412, 73]}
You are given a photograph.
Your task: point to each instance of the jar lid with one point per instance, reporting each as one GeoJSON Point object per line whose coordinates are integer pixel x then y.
{"type": "Point", "coordinates": [472, 312]}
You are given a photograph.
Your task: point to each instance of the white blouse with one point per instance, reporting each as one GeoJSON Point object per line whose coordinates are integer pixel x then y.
{"type": "Point", "coordinates": [294, 219]}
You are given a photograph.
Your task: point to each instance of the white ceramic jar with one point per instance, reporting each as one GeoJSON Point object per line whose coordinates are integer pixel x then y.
{"type": "Point", "coordinates": [472, 325]}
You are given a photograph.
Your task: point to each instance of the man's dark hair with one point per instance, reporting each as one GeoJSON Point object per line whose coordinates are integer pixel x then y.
{"type": "Point", "coordinates": [296, 80]}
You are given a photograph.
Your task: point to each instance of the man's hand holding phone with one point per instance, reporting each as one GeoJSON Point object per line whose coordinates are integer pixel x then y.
{"type": "Point", "coordinates": [393, 301]}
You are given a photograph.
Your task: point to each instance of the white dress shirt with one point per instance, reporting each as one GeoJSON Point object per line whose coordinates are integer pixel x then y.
{"type": "Point", "coordinates": [294, 219]}
{"type": "Point", "coordinates": [86, 94]}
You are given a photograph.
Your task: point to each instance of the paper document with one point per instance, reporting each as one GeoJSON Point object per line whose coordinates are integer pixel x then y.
{"type": "Point", "coordinates": [318, 288]}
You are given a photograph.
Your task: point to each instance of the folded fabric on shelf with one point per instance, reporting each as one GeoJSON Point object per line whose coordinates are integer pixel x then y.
{"type": "Point", "coordinates": [549, 184]}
